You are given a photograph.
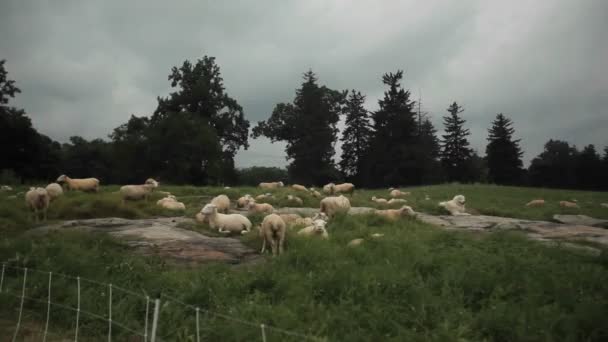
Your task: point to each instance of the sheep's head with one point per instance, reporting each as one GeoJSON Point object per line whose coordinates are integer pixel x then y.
{"type": "Point", "coordinates": [209, 209]}
{"type": "Point", "coordinates": [459, 199]}
{"type": "Point", "coordinates": [374, 198]}
{"type": "Point", "coordinates": [320, 216]}
{"type": "Point", "coordinates": [61, 179]}
{"type": "Point", "coordinates": [289, 197]}
{"type": "Point", "coordinates": [319, 226]}
{"type": "Point", "coordinates": [407, 211]}
{"type": "Point", "coordinates": [281, 184]}
{"type": "Point", "coordinates": [153, 183]}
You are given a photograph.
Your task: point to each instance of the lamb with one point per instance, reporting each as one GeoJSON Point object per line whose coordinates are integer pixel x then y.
{"type": "Point", "coordinates": [536, 203]}
{"type": "Point", "coordinates": [271, 185]}
{"type": "Point", "coordinates": [83, 184]}
{"type": "Point", "coordinates": [396, 193]}
{"type": "Point", "coordinates": [379, 200]}
{"type": "Point", "coordinates": [344, 188]}
{"type": "Point", "coordinates": [317, 229]}
{"type": "Point", "coordinates": [272, 231]}
{"type": "Point", "coordinates": [254, 207]}
{"type": "Point", "coordinates": [242, 201]}
{"type": "Point", "coordinates": [394, 214]}
{"type": "Point", "coordinates": [566, 204]}
{"type": "Point", "coordinates": [171, 203]}
{"type": "Point", "coordinates": [225, 223]}
{"type": "Point", "coordinates": [54, 190]}
{"type": "Point", "coordinates": [37, 199]}
{"type": "Point", "coordinates": [222, 202]}
{"type": "Point", "coordinates": [137, 192]}
{"type": "Point", "coordinates": [397, 200]}
{"type": "Point", "coordinates": [333, 205]}
{"type": "Point", "coordinates": [299, 187]}
{"type": "Point", "coordinates": [295, 199]}
{"type": "Point", "coordinates": [455, 206]}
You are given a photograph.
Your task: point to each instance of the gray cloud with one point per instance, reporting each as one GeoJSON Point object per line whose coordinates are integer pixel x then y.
{"type": "Point", "coordinates": [85, 67]}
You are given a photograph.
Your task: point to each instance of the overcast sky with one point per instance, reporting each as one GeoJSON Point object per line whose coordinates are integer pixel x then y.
{"type": "Point", "coordinates": [85, 66]}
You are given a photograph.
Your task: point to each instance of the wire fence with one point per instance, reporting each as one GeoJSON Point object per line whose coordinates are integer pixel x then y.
{"type": "Point", "coordinates": [81, 307]}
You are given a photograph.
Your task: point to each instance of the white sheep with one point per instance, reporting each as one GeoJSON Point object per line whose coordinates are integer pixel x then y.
{"type": "Point", "coordinates": [254, 207]}
{"type": "Point", "coordinates": [6, 188]}
{"type": "Point", "coordinates": [225, 223]}
{"type": "Point", "coordinates": [315, 193]}
{"type": "Point", "coordinates": [355, 242]}
{"type": "Point", "coordinates": [333, 205]}
{"type": "Point", "coordinates": [137, 192]}
{"type": "Point", "coordinates": [329, 188]}
{"type": "Point", "coordinates": [272, 231]}
{"type": "Point", "coordinates": [271, 185]}
{"type": "Point", "coordinates": [54, 190]}
{"type": "Point", "coordinates": [222, 202]}
{"type": "Point", "coordinates": [299, 187]}
{"type": "Point", "coordinates": [171, 203]}
{"type": "Point", "coordinates": [263, 196]}
{"type": "Point", "coordinates": [82, 184]}
{"type": "Point", "coordinates": [242, 201]}
{"type": "Point", "coordinates": [396, 193]}
{"type": "Point", "coordinates": [295, 199]}
{"type": "Point", "coordinates": [394, 214]}
{"type": "Point", "coordinates": [344, 188]}
{"type": "Point", "coordinates": [536, 203]}
{"type": "Point", "coordinates": [290, 219]}
{"type": "Point", "coordinates": [397, 200]}
{"type": "Point", "coordinates": [605, 205]}
{"type": "Point", "coordinates": [566, 204]}
{"type": "Point", "coordinates": [37, 199]}
{"type": "Point", "coordinates": [316, 229]}
{"type": "Point", "coordinates": [455, 206]}
{"type": "Point", "coordinates": [379, 200]}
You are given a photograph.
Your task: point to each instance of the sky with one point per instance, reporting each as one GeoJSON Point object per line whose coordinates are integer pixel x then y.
{"type": "Point", "coordinates": [85, 66]}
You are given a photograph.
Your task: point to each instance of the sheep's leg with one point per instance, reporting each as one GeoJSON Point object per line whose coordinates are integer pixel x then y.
{"type": "Point", "coordinates": [273, 246]}
{"type": "Point", "coordinates": [263, 245]}
{"type": "Point", "coordinates": [281, 241]}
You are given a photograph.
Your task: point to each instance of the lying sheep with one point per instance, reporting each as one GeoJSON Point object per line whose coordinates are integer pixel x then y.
{"type": "Point", "coordinates": [329, 188]}
{"type": "Point", "coordinates": [333, 205]}
{"type": "Point", "coordinates": [171, 203]}
{"type": "Point", "coordinates": [242, 201]}
{"type": "Point", "coordinates": [6, 188]}
{"type": "Point", "coordinates": [566, 204]}
{"type": "Point", "coordinates": [379, 200]}
{"type": "Point", "coordinates": [37, 199]}
{"type": "Point", "coordinates": [396, 193]}
{"type": "Point", "coordinates": [536, 203]}
{"type": "Point", "coordinates": [272, 231]}
{"type": "Point", "coordinates": [397, 200]}
{"type": "Point", "coordinates": [355, 242]}
{"type": "Point", "coordinates": [263, 196]}
{"type": "Point", "coordinates": [295, 199]}
{"type": "Point", "coordinates": [271, 185]}
{"type": "Point", "coordinates": [316, 229]}
{"type": "Point", "coordinates": [299, 187]}
{"type": "Point", "coordinates": [315, 193]}
{"type": "Point", "coordinates": [54, 190]}
{"type": "Point", "coordinates": [222, 202]}
{"type": "Point", "coordinates": [344, 188]}
{"type": "Point", "coordinates": [137, 192]}
{"type": "Point", "coordinates": [83, 184]}
{"type": "Point", "coordinates": [254, 207]}
{"type": "Point", "coordinates": [605, 205]}
{"type": "Point", "coordinates": [225, 223]}
{"type": "Point", "coordinates": [455, 206]}
{"type": "Point", "coordinates": [395, 214]}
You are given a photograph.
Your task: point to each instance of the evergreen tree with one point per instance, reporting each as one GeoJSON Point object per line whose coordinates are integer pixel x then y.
{"type": "Point", "coordinates": [426, 148]}
{"type": "Point", "coordinates": [308, 125]}
{"type": "Point", "coordinates": [392, 159]}
{"type": "Point", "coordinates": [555, 167]}
{"type": "Point", "coordinates": [355, 138]}
{"type": "Point", "coordinates": [589, 169]}
{"type": "Point", "coordinates": [455, 151]}
{"type": "Point", "coordinates": [503, 154]}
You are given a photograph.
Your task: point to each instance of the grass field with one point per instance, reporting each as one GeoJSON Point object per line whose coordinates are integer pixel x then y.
{"type": "Point", "coordinates": [416, 283]}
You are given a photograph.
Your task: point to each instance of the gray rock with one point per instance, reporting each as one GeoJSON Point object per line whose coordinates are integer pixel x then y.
{"type": "Point", "coordinates": [582, 220]}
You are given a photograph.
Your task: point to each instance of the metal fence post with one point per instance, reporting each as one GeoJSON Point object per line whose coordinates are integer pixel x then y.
{"type": "Point", "coordinates": [155, 319]}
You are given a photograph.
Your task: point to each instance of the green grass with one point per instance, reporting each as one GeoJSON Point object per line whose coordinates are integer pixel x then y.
{"type": "Point", "coordinates": [416, 283]}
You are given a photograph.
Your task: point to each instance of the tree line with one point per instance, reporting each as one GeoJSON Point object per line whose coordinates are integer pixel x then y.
{"type": "Point", "coordinates": [195, 132]}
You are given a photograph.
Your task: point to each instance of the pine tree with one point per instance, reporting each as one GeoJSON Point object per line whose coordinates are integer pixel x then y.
{"type": "Point", "coordinates": [589, 169]}
{"type": "Point", "coordinates": [503, 153]}
{"type": "Point", "coordinates": [427, 153]}
{"type": "Point", "coordinates": [455, 151]}
{"type": "Point", "coordinates": [355, 138]}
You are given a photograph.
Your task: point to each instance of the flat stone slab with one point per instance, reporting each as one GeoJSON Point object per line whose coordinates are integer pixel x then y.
{"type": "Point", "coordinates": [161, 236]}
{"type": "Point", "coordinates": [583, 220]}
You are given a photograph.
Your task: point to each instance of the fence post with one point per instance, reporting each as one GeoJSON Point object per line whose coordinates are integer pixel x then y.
{"type": "Point", "coordinates": [198, 328]}
{"type": "Point", "coordinates": [109, 312]}
{"type": "Point", "coordinates": [155, 319]}
{"type": "Point", "coordinates": [147, 315]}
{"type": "Point", "coordinates": [2, 277]}
{"type": "Point", "coordinates": [263, 327]}
{"type": "Point", "coordinates": [48, 309]}
{"type": "Point", "coordinates": [21, 306]}
{"type": "Point", "coordinates": [77, 309]}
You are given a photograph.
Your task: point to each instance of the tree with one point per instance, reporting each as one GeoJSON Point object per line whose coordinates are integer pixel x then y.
{"type": "Point", "coordinates": [427, 153]}
{"type": "Point", "coordinates": [131, 150]}
{"type": "Point", "coordinates": [392, 158]}
{"type": "Point", "coordinates": [252, 176]}
{"type": "Point", "coordinates": [503, 154]}
{"type": "Point", "coordinates": [555, 166]}
{"type": "Point", "coordinates": [455, 151]}
{"type": "Point", "coordinates": [355, 138]}
{"type": "Point", "coordinates": [589, 169]}
{"type": "Point", "coordinates": [308, 125]}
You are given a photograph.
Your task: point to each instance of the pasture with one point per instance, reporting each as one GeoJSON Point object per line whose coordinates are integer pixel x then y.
{"type": "Point", "coordinates": [417, 282]}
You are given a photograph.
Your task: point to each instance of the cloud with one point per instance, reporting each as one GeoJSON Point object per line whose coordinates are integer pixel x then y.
{"type": "Point", "coordinates": [85, 67]}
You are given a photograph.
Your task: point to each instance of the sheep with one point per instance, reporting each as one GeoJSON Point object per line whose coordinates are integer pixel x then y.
{"type": "Point", "coordinates": [344, 188]}
{"type": "Point", "coordinates": [299, 187]}
{"type": "Point", "coordinates": [6, 188]}
{"type": "Point", "coordinates": [427, 198]}
{"type": "Point", "coordinates": [222, 202]}
{"type": "Point", "coordinates": [355, 242]}
{"type": "Point", "coordinates": [37, 199]}
{"type": "Point", "coordinates": [397, 200]}
{"type": "Point", "coordinates": [377, 235]}
{"type": "Point", "coordinates": [394, 214]}
{"type": "Point", "coordinates": [242, 201]}
{"type": "Point", "coordinates": [536, 203]}
{"type": "Point", "coordinates": [254, 207]}
{"type": "Point", "coordinates": [54, 190]}
{"type": "Point", "coordinates": [455, 206]}
{"type": "Point", "coordinates": [83, 184]}
{"type": "Point", "coordinates": [379, 200]}
{"type": "Point", "coordinates": [396, 193]}
{"type": "Point", "coordinates": [263, 196]}
{"type": "Point", "coordinates": [605, 205]}
{"type": "Point", "coordinates": [333, 205]}
{"type": "Point", "coordinates": [171, 203]}
{"type": "Point", "coordinates": [295, 199]}
{"type": "Point", "coordinates": [566, 204]}
{"type": "Point", "coordinates": [225, 223]}
{"type": "Point", "coordinates": [227, 188]}
{"type": "Point", "coordinates": [315, 193]}
{"type": "Point", "coordinates": [316, 229]}
{"type": "Point", "coordinates": [290, 219]}
{"type": "Point", "coordinates": [137, 192]}
{"type": "Point", "coordinates": [271, 185]}
{"type": "Point", "coordinates": [329, 188]}
{"type": "Point", "coordinates": [200, 217]}
{"type": "Point", "coordinates": [272, 231]}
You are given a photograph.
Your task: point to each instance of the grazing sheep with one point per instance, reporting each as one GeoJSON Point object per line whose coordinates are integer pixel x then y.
{"type": "Point", "coordinates": [394, 214]}
{"type": "Point", "coordinates": [271, 185]}
{"type": "Point", "coordinates": [379, 200]}
{"type": "Point", "coordinates": [329, 188]}
{"type": "Point", "coordinates": [566, 204]}
{"type": "Point", "coordinates": [54, 190]}
{"type": "Point", "coordinates": [272, 231]}
{"type": "Point", "coordinates": [397, 200]}
{"type": "Point", "coordinates": [6, 188]}
{"type": "Point", "coordinates": [605, 205]}
{"type": "Point", "coordinates": [536, 203]}
{"type": "Point", "coordinates": [455, 206]}
{"type": "Point", "coordinates": [333, 205]}
{"type": "Point", "coordinates": [242, 201]}
{"type": "Point", "coordinates": [83, 184]}
{"type": "Point", "coordinates": [137, 192]}
{"type": "Point", "coordinates": [222, 202]}
{"type": "Point", "coordinates": [344, 188]}
{"type": "Point", "coordinates": [295, 199]}
{"type": "Point", "coordinates": [254, 207]}
{"type": "Point", "coordinates": [316, 229]}
{"type": "Point", "coordinates": [37, 199]}
{"type": "Point", "coordinates": [299, 187]}
{"type": "Point", "coordinates": [225, 223]}
{"type": "Point", "coordinates": [171, 203]}
{"type": "Point", "coordinates": [396, 193]}
{"type": "Point", "coordinates": [263, 196]}
{"type": "Point", "coordinates": [355, 242]}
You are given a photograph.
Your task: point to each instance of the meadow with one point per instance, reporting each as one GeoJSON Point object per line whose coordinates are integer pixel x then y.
{"type": "Point", "coordinates": [416, 283]}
